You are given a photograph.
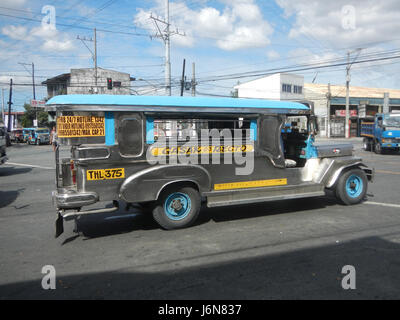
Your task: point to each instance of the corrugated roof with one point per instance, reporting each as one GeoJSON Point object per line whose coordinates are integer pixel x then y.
{"type": "Point", "coordinates": [355, 92]}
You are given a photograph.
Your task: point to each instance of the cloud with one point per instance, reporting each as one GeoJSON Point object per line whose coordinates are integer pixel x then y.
{"type": "Point", "coordinates": [54, 45]}
{"type": "Point", "coordinates": [45, 31]}
{"type": "Point", "coordinates": [13, 3]}
{"type": "Point", "coordinates": [343, 24]}
{"type": "Point", "coordinates": [15, 32]}
{"type": "Point", "coordinates": [273, 55]}
{"type": "Point", "coordinates": [238, 25]}
{"type": "Point", "coordinates": [48, 37]}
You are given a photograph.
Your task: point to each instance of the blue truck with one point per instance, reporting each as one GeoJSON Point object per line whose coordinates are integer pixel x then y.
{"type": "Point", "coordinates": [383, 134]}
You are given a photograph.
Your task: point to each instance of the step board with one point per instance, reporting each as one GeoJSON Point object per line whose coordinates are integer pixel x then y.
{"type": "Point", "coordinates": [236, 197]}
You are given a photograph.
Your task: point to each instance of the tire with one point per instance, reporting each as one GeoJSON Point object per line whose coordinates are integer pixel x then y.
{"type": "Point", "coordinates": [377, 148]}
{"type": "Point", "coordinates": [352, 187]}
{"type": "Point", "coordinates": [366, 144]}
{"type": "Point", "coordinates": [188, 203]}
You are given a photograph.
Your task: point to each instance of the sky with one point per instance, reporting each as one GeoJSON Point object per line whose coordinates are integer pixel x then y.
{"type": "Point", "coordinates": [232, 39]}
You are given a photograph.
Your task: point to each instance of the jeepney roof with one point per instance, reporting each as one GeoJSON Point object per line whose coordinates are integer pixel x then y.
{"type": "Point", "coordinates": [171, 104]}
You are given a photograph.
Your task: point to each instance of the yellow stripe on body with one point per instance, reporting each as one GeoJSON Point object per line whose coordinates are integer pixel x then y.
{"type": "Point", "coordinates": [250, 184]}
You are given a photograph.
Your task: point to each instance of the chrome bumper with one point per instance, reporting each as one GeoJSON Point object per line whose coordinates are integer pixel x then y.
{"type": "Point", "coordinates": [73, 199]}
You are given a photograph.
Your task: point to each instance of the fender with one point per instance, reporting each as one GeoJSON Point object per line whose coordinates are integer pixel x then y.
{"type": "Point", "coordinates": [358, 164]}
{"type": "Point", "coordinates": [147, 184]}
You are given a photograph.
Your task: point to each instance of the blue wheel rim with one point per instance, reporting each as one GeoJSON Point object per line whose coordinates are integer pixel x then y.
{"type": "Point", "coordinates": [177, 206]}
{"type": "Point", "coordinates": [354, 186]}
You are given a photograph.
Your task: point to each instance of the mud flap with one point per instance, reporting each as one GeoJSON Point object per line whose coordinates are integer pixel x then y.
{"type": "Point", "coordinates": [59, 225]}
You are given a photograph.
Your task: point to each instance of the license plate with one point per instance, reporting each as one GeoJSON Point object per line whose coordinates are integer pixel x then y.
{"type": "Point", "coordinates": [105, 174]}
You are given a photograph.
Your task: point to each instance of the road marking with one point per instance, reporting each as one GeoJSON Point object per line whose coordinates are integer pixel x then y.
{"type": "Point", "coordinates": [28, 165]}
{"type": "Point", "coordinates": [391, 205]}
{"type": "Point", "coordinates": [388, 172]}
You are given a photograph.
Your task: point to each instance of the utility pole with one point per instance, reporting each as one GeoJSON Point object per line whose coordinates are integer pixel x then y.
{"type": "Point", "coordinates": [183, 77]}
{"type": "Point", "coordinates": [33, 81]}
{"type": "Point", "coordinates": [167, 51]}
{"type": "Point", "coordinates": [328, 112]}
{"type": "Point", "coordinates": [2, 104]}
{"type": "Point", "coordinates": [347, 127]}
{"type": "Point", "coordinates": [386, 106]}
{"type": "Point", "coordinates": [348, 78]}
{"type": "Point", "coordinates": [95, 59]}
{"type": "Point", "coordinates": [9, 107]}
{"type": "Point", "coordinates": [166, 37]}
{"type": "Point", "coordinates": [193, 80]}
{"type": "Point", "coordinates": [94, 54]}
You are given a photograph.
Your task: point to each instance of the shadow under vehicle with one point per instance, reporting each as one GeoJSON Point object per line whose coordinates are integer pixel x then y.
{"type": "Point", "coordinates": [169, 153]}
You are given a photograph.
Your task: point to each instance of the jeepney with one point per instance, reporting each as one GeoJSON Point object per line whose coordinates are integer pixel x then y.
{"type": "Point", "coordinates": [26, 133]}
{"type": "Point", "coordinates": [168, 154]}
{"type": "Point", "coordinates": [39, 136]}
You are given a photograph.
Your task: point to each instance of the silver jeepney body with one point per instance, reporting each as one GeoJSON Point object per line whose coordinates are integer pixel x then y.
{"type": "Point", "coordinates": [111, 164]}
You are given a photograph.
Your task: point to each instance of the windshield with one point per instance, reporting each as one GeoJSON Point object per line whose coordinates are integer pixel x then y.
{"type": "Point", "coordinates": [42, 131]}
{"type": "Point", "coordinates": [392, 121]}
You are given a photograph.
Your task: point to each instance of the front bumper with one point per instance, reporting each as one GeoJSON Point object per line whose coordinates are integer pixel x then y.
{"type": "Point", "coordinates": [391, 145]}
{"type": "Point", "coordinates": [73, 200]}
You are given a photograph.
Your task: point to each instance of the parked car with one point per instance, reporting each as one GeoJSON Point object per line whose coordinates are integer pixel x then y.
{"type": "Point", "coordinates": [3, 143]}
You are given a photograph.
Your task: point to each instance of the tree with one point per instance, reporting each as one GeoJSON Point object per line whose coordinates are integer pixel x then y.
{"type": "Point", "coordinates": [30, 115]}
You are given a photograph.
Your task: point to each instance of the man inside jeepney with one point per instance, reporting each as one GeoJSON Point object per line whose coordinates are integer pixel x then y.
{"type": "Point", "coordinates": [294, 136]}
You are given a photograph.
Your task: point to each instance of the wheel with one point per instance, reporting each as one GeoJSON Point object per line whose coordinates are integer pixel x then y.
{"type": "Point", "coordinates": [367, 144]}
{"type": "Point", "coordinates": [378, 148]}
{"type": "Point", "coordinates": [177, 207]}
{"type": "Point", "coordinates": [352, 187]}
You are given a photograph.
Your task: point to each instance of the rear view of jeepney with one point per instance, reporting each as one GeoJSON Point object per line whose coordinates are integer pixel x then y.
{"type": "Point", "coordinates": [111, 138]}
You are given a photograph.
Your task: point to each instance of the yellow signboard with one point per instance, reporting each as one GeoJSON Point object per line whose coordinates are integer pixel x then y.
{"type": "Point", "coordinates": [105, 174]}
{"type": "Point", "coordinates": [250, 184]}
{"type": "Point", "coordinates": [187, 150]}
{"type": "Point", "coordinates": [80, 126]}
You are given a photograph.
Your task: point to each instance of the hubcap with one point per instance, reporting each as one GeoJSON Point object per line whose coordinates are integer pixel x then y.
{"type": "Point", "coordinates": [177, 206]}
{"type": "Point", "coordinates": [354, 186]}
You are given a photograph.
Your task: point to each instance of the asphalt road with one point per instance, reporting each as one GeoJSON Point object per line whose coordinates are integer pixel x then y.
{"type": "Point", "coordinates": [280, 250]}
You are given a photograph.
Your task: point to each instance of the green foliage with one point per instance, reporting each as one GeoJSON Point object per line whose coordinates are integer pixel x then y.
{"type": "Point", "coordinates": [30, 115]}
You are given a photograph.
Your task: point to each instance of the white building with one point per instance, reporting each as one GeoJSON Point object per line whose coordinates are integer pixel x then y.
{"type": "Point", "coordinates": [280, 86]}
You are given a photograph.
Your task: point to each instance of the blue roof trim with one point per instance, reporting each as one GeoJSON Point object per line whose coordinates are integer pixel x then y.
{"type": "Point", "coordinates": [165, 101]}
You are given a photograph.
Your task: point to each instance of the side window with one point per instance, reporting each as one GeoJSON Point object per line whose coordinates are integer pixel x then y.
{"type": "Point", "coordinates": [191, 129]}
{"type": "Point", "coordinates": [130, 136]}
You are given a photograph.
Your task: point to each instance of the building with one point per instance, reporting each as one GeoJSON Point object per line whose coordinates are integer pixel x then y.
{"type": "Point", "coordinates": [364, 104]}
{"type": "Point", "coordinates": [280, 86]}
{"type": "Point", "coordinates": [83, 81]}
